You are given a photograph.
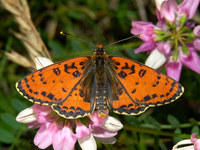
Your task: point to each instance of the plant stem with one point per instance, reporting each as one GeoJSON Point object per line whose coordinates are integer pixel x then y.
{"type": "Point", "coordinates": [155, 132]}
{"type": "Point", "coordinates": [17, 137]}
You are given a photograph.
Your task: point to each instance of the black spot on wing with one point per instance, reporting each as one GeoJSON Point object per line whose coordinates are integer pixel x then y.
{"type": "Point", "coordinates": [154, 95]}
{"type": "Point", "coordinates": [133, 91]}
{"type": "Point", "coordinates": [122, 74]}
{"type": "Point", "coordinates": [50, 96]}
{"type": "Point", "coordinates": [132, 69]}
{"type": "Point", "coordinates": [117, 63]}
{"type": "Point", "coordinates": [82, 63]}
{"type": "Point", "coordinates": [56, 71]}
{"type": "Point", "coordinates": [126, 66]}
{"type": "Point", "coordinates": [76, 74]}
{"type": "Point", "coordinates": [161, 96]}
{"type": "Point", "coordinates": [36, 93]}
{"type": "Point", "coordinates": [43, 93]}
{"type": "Point", "coordinates": [158, 77]}
{"type": "Point", "coordinates": [147, 98]}
{"type": "Point", "coordinates": [26, 80]}
{"type": "Point", "coordinates": [142, 72]}
{"type": "Point", "coordinates": [27, 85]}
{"type": "Point", "coordinates": [167, 94]}
{"type": "Point", "coordinates": [73, 66]}
{"type": "Point", "coordinates": [64, 90]}
{"type": "Point", "coordinates": [155, 84]}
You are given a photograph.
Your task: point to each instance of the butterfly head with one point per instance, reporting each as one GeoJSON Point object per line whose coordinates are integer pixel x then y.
{"type": "Point", "coordinates": [99, 49]}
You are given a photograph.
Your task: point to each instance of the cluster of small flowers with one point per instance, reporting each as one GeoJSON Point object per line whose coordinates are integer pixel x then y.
{"type": "Point", "coordinates": [173, 41]}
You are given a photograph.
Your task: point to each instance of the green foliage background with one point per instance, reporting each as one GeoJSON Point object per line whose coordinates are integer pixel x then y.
{"type": "Point", "coordinates": [103, 21]}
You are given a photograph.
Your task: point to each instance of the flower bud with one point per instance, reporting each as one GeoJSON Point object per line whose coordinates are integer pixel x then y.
{"type": "Point", "coordinates": [112, 124]}
{"type": "Point", "coordinates": [175, 55]}
{"type": "Point", "coordinates": [183, 20]}
{"type": "Point", "coordinates": [27, 116]}
{"type": "Point", "coordinates": [185, 49]}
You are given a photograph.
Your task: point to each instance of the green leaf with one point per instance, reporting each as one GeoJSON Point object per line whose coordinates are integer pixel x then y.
{"type": "Point", "coordinates": [193, 121]}
{"type": "Point", "coordinates": [177, 139]}
{"type": "Point", "coordinates": [152, 121]}
{"type": "Point", "coordinates": [195, 129]}
{"type": "Point", "coordinates": [18, 105]}
{"type": "Point", "coordinates": [10, 120]}
{"type": "Point", "coordinates": [6, 137]}
{"type": "Point", "coordinates": [173, 121]}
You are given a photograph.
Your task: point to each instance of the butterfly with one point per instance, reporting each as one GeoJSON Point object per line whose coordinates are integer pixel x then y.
{"type": "Point", "coordinates": [75, 87]}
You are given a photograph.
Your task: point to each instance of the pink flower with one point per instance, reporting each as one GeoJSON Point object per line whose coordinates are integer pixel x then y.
{"type": "Point", "coordinates": [195, 141]}
{"type": "Point", "coordinates": [188, 144]}
{"type": "Point", "coordinates": [173, 38]}
{"type": "Point", "coordinates": [196, 41]}
{"type": "Point", "coordinates": [146, 30]}
{"type": "Point", "coordinates": [168, 10]}
{"type": "Point", "coordinates": [59, 132]}
{"type": "Point", "coordinates": [189, 8]}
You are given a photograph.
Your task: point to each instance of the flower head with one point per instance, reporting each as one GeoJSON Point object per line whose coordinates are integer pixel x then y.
{"type": "Point", "coordinates": [174, 38]}
{"type": "Point", "coordinates": [62, 133]}
{"type": "Point", "coordinates": [188, 144]}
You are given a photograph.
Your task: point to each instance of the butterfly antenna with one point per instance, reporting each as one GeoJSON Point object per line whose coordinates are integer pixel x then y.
{"type": "Point", "coordinates": [68, 34]}
{"type": "Point", "coordinates": [139, 35]}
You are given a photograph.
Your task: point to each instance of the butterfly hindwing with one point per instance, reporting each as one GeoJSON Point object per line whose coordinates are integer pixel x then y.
{"type": "Point", "coordinates": [76, 105]}
{"type": "Point", "coordinates": [120, 102]}
{"type": "Point", "coordinates": [58, 85]}
{"type": "Point", "coordinates": [142, 86]}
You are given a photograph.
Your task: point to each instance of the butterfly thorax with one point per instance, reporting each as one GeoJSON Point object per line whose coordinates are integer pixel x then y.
{"type": "Point", "coordinates": [99, 61]}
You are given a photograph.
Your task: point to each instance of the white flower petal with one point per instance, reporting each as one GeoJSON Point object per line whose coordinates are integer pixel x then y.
{"type": "Point", "coordinates": [87, 143]}
{"type": "Point", "coordinates": [42, 62]}
{"type": "Point", "coordinates": [158, 3]}
{"type": "Point", "coordinates": [182, 143]}
{"type": "Point", "coordinates": [111, 140]}
{"type": "Point", "coordinates": [156, 59]}
{"type": "Point", "coordinates": [112, 124]}
{"type": "Point", "coordinates": [27, 116]}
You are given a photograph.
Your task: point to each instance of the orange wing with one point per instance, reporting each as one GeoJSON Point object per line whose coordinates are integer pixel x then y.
{"type": "Point", "coordinates": [141, 87]}
{"type": "Point", "coordinates": [59, 85]}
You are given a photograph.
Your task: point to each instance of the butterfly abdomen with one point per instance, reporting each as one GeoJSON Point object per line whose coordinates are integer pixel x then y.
{"type": "Point", "coordinates": [101, 100]}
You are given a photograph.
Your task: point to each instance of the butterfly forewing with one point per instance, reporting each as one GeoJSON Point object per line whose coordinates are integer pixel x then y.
{"type": "Point", "coordinates": [59, 86]}
{"type": "Point", "coordinates": [142, 87]}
